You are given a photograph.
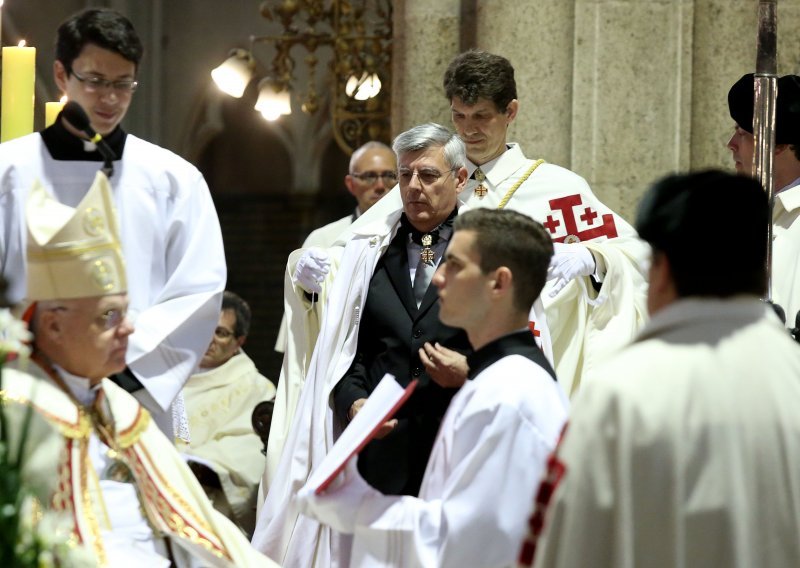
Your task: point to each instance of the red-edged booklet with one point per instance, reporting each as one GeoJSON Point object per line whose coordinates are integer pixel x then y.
{"type": "Point", "coordinates": [381, 405]}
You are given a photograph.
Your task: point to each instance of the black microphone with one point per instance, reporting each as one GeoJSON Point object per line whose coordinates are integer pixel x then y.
{"type": "Point", "coordinates": [77, 117]}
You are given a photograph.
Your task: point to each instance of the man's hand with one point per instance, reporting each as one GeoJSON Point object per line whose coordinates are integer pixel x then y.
{"type": "Point", "coordinates": [312, 267]}
{"type": "Point", "coordinates": [385, 428]}
{"type": "Point", "coordinates": [446, 367]}
{"type": "Point", "coordinates": [569, 262]}
{"type": "Point", "coordinates": [338, 506]}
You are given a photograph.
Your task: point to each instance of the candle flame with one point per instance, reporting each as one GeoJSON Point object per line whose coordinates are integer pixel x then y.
{"type": "Point", "coordinates": [21, 43]}
{"type": "Point", "coordinates": [1, 3]}
{"type": "Point", "coordinates": [63, 99]}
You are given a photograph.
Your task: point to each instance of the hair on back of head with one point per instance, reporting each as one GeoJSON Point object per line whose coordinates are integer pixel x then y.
{"type": "Point", "coordinates": [476, 74]}
{"type": "Point", "coordinates": [241, 309]}
{"type": "Point", "coordinates": [432, 135]}
{"type": "Point", "coordinates": [508, 238]}
{"type": "Point", "coordinates": [712, 227]}
{"type": "Point", "coordinates": [104, 28]}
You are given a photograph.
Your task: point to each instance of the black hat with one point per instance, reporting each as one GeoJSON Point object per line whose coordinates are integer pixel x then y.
{"type": "Point", "coordinates": [787, 108]}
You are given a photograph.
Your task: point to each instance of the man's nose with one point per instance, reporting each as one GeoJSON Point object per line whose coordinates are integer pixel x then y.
{"type": "Point", "coordinates": [731, 145]}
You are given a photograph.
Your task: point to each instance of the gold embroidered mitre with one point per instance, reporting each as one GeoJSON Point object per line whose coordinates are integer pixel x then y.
{"type": "Point", "coordinates": [74, 253]}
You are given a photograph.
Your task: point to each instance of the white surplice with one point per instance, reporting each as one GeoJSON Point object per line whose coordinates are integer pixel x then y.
{"type": "Point", "coordinates": [684, 449]}
{"type": "Point", "coordinates": [471, 510]}
{"type": "Point", "coordinates": [171, 241]}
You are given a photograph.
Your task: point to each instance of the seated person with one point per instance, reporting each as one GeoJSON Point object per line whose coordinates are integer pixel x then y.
{"type": "Point", "coordinates": [224, 451]}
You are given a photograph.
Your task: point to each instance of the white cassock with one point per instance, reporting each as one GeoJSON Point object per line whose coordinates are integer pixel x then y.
{"type": "Point", "coordinates": [684, 449]}
{"type": "Point", "coordinates": [786, 252]}
{"type": "Point", "coordinates": [487, 459]}
{"type": "Point", "coordinates": [121, 512]}
{"type": "Point", "coordinates": [219, 406]}
{"type": "Point", "coordinates": [171, 242]}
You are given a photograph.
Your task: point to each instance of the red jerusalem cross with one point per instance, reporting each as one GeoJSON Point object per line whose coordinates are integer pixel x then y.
{"type": "Point", "coordinates": [532, 327]}
{"type": "Point", "coordinates": [567, 207]}
{"type": "Point", "coordinates": [588, 216]}
{"type": "Point", "coordinates": [551, 224]}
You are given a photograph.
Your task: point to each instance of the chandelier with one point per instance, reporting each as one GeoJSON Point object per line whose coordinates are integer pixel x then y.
{"type": "Point", "coordinates": [357, 81]}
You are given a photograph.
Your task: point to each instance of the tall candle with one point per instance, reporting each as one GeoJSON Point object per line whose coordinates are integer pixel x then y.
{"type": "Point", "coordinates": [19, 78]}
{"type": "Point", "coordinates": [51, 110]}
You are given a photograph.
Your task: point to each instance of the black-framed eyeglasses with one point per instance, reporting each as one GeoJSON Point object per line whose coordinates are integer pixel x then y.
{"type": "Point", "coordinates": [223, 333]}
{"type": "Point", "coordinates": [94, 84]}
{"type": "Point", "coordinates": [372, 177]}
{"type": "Point", "coordinates": [426, 176]}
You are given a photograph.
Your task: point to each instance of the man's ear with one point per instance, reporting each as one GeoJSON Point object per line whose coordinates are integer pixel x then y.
{"type": "Point", "coordinates": [240, 341]}
{"type": "Point", "coordinates": [60, 75]}
{"type": "Point", "coordinates": [350, 184]}
{"type": "Point", "coordinates": [503, 281]}
{"type": "Point", "coordinates": [512, 109]}
{"type": "Point", "coordinates": [50, 325]}
{"type": "Point", "coordinates": [461, 179]}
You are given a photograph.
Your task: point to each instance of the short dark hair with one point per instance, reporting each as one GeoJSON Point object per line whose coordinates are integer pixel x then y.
{"type": "Point", "coordinates": [105, 28]}
{"type": "Point", "coordinates": [712, 227]}
{"type": "Point", "coordinates": [511, 239]}
{"type": "Point", "coordinates": [476, 74]}
{"type": "Point", "coordinates": [234, 302]}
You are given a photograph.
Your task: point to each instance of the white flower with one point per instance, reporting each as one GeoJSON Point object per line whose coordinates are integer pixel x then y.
{"type": "Point", "coordinates": [14, 335]}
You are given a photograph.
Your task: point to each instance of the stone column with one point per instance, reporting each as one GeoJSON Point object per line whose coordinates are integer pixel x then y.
{"type": "Point", "coordinates": [426, 38]}
{"type": "Point", "coordinates": [537, 36]}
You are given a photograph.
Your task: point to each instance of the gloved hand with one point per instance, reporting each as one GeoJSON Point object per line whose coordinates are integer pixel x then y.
{"type": "Point", "coordinates": [338, 506]}
{"type": "Point", "coordinates": [311, 269]}
{"type": "Point", "coordinates": [568, 262]}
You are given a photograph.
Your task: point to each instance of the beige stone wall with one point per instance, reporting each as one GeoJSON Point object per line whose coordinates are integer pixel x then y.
{"type": "Point", "coordinates": [620, 91]}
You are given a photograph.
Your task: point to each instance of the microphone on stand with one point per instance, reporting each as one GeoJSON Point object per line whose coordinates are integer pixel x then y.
{"type": "Point", "coordinates": [77, 117]}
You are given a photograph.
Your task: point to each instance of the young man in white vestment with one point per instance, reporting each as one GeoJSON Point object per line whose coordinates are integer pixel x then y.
{"type": "Point", "coordinates": [224, 451]}
{"type": "Point", "coordinates": [170, 231]}
{"type": "Point", "coordinates": [786, 176]}
{"type": "Point", "coordinates": [683, 450]}
{"type": "Point", "coordinates": [131, 498]}
{"type": "Point", "coordinates": [499, 429]}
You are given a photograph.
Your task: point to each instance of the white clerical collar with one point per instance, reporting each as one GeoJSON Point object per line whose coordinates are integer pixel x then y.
{"type": "Point", "coordinates": [80, 387]}
{"type": "Point", "coordinates": [471, 166]}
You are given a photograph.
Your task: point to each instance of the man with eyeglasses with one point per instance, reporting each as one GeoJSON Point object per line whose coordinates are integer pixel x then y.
{"type": "Point", "coordinates": [373, 172]}
{"type": "Point", "coordinates": [594, 301]}
{"type": "Point", "coordinates": [170, 230]}
{"type": "Point", "coordinates": [123, 489]}
{"type": "Point", "coordinates": [380, 311]}
{"type": "Point", "coordinates": [224, 451]}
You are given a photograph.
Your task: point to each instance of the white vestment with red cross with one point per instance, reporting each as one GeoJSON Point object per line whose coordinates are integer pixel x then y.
{"type": "Point", "coordinates": [584, 325]}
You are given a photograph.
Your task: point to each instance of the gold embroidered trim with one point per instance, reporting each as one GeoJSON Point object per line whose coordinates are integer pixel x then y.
{"type": "Point", "coordinates": [171, 518]}
{"type": "Point", "coordinates": [509, 194]}
{"type": "Point", "coordinates": [70, 251]}
{"type": "Point", "coordinates": [72, 430]}
{"type": "Point", "coordinates": [88, 511]}
{"type": "Point", "coordinates": [128, 437]}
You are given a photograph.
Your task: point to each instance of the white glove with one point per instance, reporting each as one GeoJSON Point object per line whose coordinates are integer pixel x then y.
{"type": "Point", "coordinates": [311, 269]}
{"type": "Point", "coordinates": [339, 505]}
{"type": "Point", "coordinates": [568, 262]}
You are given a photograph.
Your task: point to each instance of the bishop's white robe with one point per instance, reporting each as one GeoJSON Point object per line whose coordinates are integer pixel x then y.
{"type": "Point", "coordinates": [684, 449]}
{"type": "Point", "coordinates": [171, 241]}
{"type": "Point", "coordinates": [114, 519]}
